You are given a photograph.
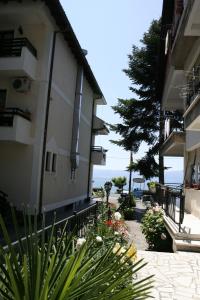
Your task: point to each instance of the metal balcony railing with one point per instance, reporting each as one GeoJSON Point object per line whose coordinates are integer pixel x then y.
{"type": "Point", "coordinates": [192, 88]}
{"type": "Point", "coordinates": [77, 223]}
{"type": "Point", "coordinates": [172, 200]}
{"type": "Point", "coordinates": [13, 47]}
{"type": "Point", "coordinates": [7, 116]}
{"type": "Point", "coordinates": [172, 125]}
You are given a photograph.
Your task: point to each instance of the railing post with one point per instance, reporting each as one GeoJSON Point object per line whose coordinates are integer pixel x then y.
{"type": "Point", "coordinates": [96, 212]}
{"type": "Point", "coordinates": [167, 201]}
{"type": "Point", "coordinates": [75, 222]}
{"type": "Point", "coordinates": [181, 209]}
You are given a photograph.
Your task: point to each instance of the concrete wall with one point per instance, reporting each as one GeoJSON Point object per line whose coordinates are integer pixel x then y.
{"type": "Point", "coordinates": [192, 140]}
{"type": "Point", "coordinates": [192, 196]}
{"type": "Point", "coordinates": [192, 203]}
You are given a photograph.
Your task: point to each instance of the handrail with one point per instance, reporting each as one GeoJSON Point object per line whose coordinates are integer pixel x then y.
{"type": "Point", "coordinates": [172, 201]}
{"type": "Point", "coordinates": [13, 47]}
{"type": "Point", "coordinates": [77, 220]}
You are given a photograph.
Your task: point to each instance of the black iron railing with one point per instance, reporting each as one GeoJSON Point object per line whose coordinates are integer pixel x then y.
{"type": "Point", "coordinates": [172, 201]}
{"type": "Point", "coordinates": [7, 116]}
{"type": "Point", "coordinates": [13, 47]}
{"type": "Point", "coordinates": [193, 85]}
{"type": "Point", "coordinates": [77, 223]}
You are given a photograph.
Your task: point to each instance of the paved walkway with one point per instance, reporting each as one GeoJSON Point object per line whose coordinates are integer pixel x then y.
{"type": "Point", "coordinates": [177, 275]}
{"type": "Point", "coordinates": [134, 227]}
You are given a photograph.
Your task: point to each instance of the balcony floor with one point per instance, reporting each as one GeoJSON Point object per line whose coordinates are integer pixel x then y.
{"type": "Point", "coordinates": [174, 145]}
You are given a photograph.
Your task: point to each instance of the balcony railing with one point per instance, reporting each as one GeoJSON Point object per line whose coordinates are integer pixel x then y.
{"type": "Point", "coordinates": [192, 88]}
{"type": "Point", "coordinates": [172, 200]}
{"type": "Point", "coordinates": [77, 223]}
{"type": "Point", "coordinates": [172, 125]}
{"type": "Point", "coordinates": [13, 47]}
{"type": "Point", "coordinates": [7, 116]}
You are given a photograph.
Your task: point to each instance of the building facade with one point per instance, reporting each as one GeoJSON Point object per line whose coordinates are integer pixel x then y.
{"type": "Point", "coordinates": [48, 102]}
{"type": "Point", "coordinates": [180, 91]}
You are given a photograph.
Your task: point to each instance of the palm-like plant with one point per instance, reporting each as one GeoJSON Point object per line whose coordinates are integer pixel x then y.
{"type": "Point", "coordinates": [51, 268]}
{"type": "Point", "coordinates": [119, 182]}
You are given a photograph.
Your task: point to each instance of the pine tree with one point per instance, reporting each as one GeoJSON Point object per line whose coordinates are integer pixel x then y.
{"type": "Point", "coordinates": [142, 117]}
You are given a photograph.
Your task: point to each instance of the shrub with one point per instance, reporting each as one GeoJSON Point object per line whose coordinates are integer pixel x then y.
{"type": "Point", "coordinates": [127, 201]}
{"type": "Point", "coordinates": [127, 205]}
{"type": "Point", "coordinates": [98, 192]}
{"type": "Point", "coordinates": [153, 228]}
{"type": "Point", "coordinates": [129, 213]}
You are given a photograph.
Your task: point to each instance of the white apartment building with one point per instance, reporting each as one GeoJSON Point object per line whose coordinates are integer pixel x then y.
{"type": "Point", "coordinates": [180, 90]}
{"type": "Point", "coordinates": [48, 102]}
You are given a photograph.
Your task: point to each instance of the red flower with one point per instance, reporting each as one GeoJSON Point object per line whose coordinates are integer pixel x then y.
{"type": "Point", "coordinates": [109, 222]}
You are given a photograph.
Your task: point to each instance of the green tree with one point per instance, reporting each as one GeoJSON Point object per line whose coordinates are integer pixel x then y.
{"type": "Point", "coordinates": [119, 182]}
{"type": "Point", "coordinates": [141, 117]}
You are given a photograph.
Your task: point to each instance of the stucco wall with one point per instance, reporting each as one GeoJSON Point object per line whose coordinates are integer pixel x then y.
{"type": "Point", "coordinates": [59, 188]}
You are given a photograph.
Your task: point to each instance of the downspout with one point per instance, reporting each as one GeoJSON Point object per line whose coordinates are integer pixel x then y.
{"type": "Point", "coordinates": [90, 157]}
{"type": "Point", "coordinates": [74, 155]}
{"type": "Point", "coordinates": [46, 121]}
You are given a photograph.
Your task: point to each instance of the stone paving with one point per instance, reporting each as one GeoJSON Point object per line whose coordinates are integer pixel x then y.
{"type": "Point", "coordinates": [134, 227]}
{"type": "Point", "coordinates": [177, 275]}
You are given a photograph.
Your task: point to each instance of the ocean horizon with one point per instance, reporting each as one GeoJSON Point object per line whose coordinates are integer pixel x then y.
{"type": "Point", "coordinates": [101, 176]}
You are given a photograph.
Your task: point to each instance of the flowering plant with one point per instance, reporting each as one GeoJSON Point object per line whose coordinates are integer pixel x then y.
{"type": "Point", "coordinates": [153, 228]}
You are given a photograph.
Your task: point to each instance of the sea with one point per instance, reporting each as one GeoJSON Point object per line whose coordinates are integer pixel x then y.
{"type": "Point", "coordinates": [100, 176]}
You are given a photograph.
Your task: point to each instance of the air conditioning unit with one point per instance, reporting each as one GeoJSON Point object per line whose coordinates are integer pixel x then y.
{"type": "Point", "coordinates": [21, 84]}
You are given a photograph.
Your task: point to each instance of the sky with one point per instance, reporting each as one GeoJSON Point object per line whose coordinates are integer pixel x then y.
{"type": "Point", "coordinates": [108, 29]}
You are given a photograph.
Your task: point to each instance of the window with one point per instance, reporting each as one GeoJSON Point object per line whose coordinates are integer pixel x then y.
{"type": "Point", "coordinates": [54, 162]}
{"type": "Point", "coordinates": [3, 94]}
{"type": "Point", "coordinates": [48, 162]}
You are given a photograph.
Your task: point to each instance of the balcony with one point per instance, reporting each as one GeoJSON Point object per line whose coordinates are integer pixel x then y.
{"type": "Point", "coordinates": [15, 126]}
{"type": "Point", "coordinates": [174, 142]}
{"type": "Point", "coordinates": [98, 156]}
{"type": "Point", "coordinates": [99, 127]}
{"type": "Point", "coordinates": [192, 113]}
{"type": "Point", "coordinates": [180, 43]}
{"type": "Point", "coordinates": [172, 98]}
{"type": "Point", "coordinates": [18, 57]}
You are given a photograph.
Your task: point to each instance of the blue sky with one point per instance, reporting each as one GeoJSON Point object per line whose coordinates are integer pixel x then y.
{"type": "Point", "coordinates": [108, 29]}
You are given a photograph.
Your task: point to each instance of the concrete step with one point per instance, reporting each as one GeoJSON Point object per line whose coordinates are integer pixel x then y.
{"type": "Point", "coordinates": [186, 245]}
{"type": "Point", "coordinates": [172, 227]}
{"type": "Point", "coordinates": [182, 241]}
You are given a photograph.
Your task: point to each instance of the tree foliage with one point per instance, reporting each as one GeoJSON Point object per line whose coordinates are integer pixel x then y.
{"type": "Point", "coordinates": [141, 116]}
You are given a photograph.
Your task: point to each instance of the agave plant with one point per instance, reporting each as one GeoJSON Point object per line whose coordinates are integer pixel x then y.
{"type": "Point", "coordinates": [52, 268]}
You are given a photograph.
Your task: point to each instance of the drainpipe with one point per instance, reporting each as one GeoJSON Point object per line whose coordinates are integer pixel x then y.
{"type": "Point", "coordinates": [74, 155]}
{"type": "Point", "coordinates": [46, 120]}
{"type": "Point", "coordinates": [90, 157]}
